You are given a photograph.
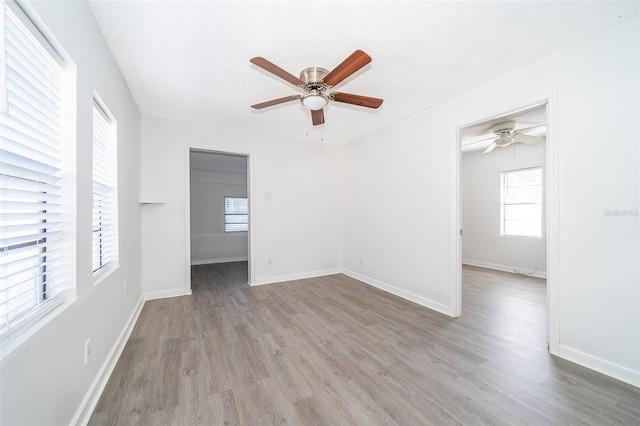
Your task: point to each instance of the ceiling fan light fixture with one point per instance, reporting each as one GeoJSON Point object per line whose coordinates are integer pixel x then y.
{"type": "Point", "coordinates": [504, 140]}
{"type": "Point", "coordinates": [314, 101]}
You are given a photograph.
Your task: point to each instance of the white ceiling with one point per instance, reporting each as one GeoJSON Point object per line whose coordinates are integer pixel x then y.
{"type": "Point", "coordinates": [189, 60]}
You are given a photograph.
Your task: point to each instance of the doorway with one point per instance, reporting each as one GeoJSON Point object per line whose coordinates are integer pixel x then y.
{"type": "Point", "coordinates": [503, 208]}
{"type": "Point", "coordinates": [219, 208]}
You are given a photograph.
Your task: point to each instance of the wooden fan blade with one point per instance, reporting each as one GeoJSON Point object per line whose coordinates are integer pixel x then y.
{"type": "Point", "coordinates": [317, 116]}
{"type": "Point", "coordinates": [276, 70]}
{"type": "Point", "coordinates": [360, 100]}
{"type": "Point", "coordinates": [491, 148]}
{"type": "Point", "coordinates": [527, 139]}
{"type": "Point", "coordinates": [275, 102]}
{"type": "Point", "coordinates": [353, 63]}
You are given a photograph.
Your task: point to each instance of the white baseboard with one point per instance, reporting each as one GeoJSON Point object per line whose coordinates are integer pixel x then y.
{"type": "Point", "coordinates": [423, 301]}
{"type": "Point", "coordinates": [503, 268]}
{"type": "Point", "coordinates": [291, 277]}
{"type": "Point", "coordinates": [90, 400]}
{"type": "Point", "coordinates": [163, 294]}
{"type": "Point", "coordinates": [224, 260]}
{"type": "Point", "coordinates": [600, 365]}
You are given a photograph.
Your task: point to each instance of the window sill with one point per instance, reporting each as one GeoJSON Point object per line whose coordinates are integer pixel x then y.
{"type": "Point", "coordinates": [103, 273]}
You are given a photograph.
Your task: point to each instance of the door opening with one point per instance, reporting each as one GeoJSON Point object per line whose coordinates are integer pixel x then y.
{"type": "Point", "coordinates": [218, 206]}
{"type": "Point", "coordinates": [503, 214]}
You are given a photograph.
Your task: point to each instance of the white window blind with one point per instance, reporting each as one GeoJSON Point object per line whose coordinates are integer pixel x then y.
{"type": "Point", "coordinates": [105, 191]}
{"type": "Point", "coordinates": [236, 214]}
{"type": "Point", "coordinates": [521, 202]}
{"type": "Point", "coordinates": [30, 161]}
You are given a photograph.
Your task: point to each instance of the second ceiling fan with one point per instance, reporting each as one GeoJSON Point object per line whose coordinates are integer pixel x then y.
{"type": "Point", "coordinates": [315, 81]}
{"type": "Point", "coordinates": [505, 134]}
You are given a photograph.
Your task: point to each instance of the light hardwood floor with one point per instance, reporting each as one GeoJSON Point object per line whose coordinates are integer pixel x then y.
{"type": "Point", "coordinates": [333, 350]}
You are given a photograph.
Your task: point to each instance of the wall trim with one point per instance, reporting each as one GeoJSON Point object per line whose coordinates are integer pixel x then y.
{"type": "Point", "coordinates": [299, 276]}
{"type": "Point", "coordinates": [163, 294]}
{"type": "Point", "coordinates": [600, 365]}
{"type": "Point", "coordinates": [188, 147]}
{"type": "Point", "coordinates": [90, 400]}
{"type": "Point", "coordinates": [553, 221]}
{"type": "Point", "coordinates": [224, 260]}
{"type": "Point", "coordinates": [455, 285]}
{"type": "Point", "coordinates": [503, 268]}
{"type": "Point", "coordinates": [422, 301]}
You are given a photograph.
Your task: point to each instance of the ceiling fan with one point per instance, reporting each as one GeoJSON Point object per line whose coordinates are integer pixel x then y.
{"type": "Point", "coordinates": [315, 81]}
{"type": "Point", "coordinates": [505, 135]}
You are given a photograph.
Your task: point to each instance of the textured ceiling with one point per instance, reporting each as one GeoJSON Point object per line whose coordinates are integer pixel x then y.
{"type": "Point", "coordinates": [189, 60]}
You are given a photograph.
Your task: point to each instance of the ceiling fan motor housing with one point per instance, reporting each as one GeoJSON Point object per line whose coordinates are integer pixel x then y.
{"type": "Point", "coordinates": [503, 127]}
{"type": "Point", "coordinates": [313, 75]}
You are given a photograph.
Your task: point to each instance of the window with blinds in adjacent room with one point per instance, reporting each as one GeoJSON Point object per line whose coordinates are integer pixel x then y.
{"type": "Point", "coordinates": [521, 202]}
{"type": "Point", "coordinates": [236, 214]}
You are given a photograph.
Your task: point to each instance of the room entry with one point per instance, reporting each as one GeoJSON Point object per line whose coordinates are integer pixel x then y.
{"type": "Point", "coordinates": [219, 208]}
{"type": "Point", "coordinates": [503, 212]}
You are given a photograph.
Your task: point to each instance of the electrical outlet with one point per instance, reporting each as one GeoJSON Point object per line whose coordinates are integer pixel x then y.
{"type": "Point", "coordinates": [126, 284]}
{"type": "Point", "coordinates": [87, 351]}
{"type": "Point", "coordinates": [269, 262]}
{"type": "Point", "coordinates": [361, 262]}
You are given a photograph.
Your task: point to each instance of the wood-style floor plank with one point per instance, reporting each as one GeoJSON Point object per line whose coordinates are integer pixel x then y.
{"type": "Point", "coordinates": [334, 351]}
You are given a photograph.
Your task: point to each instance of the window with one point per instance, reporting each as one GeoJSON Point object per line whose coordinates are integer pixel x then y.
{"type": "Point", "coordinates": [236, 214]}
{"type": "Point", "coordinates": [32, 205]}
{"type": "Point", "coordinates": [105, 191]}
{"type": "Point", "coordinates": [521, 202]}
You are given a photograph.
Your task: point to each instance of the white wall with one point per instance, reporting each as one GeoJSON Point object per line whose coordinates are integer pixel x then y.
{"type": "Point", "coordinates": [397, 215]}
{"type": "Point", "coordinates": [482, 244]}
{"type": "Point", "coordinates": [44, 380]}
{"type": "Point", "coordinates": [209, 241]}
{"type": "Point", "coordinates": [593, 113]}
{"type": "Point", "coordinates": [295, 197]}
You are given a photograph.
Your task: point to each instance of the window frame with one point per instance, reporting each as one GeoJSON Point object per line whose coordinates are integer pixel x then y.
{"type": "Point", "coordinates": [524, 201]}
